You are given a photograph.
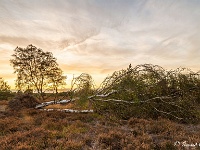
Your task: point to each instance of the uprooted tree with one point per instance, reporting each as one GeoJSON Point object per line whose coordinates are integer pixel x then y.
{"type": "Point", "coordinates": [82, 86]}
{"type": "Point", "coordinates": [36, 70]}
{"type": "Point", "coordinates": [150, 91]}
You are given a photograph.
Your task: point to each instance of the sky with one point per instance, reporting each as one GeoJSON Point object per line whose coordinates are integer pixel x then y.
{"type": "Point", "coordinates": [102, 36]}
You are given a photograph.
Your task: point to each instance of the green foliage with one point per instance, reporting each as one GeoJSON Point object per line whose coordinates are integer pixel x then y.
{"type": "Point", "coordinates": [56, 79]}
{"type": "Point", "coordinates": [5, 92]}
{"type": "Point", "coordinates": [4, 87]}
{"type": "Point", "coordinates": [83, 84]}
{"type": "Point", "coordinates": [82, 87]}
{"type": "Point", "coordinates": [36, 69]}
{"type": "Point", "coordinates": [150, 91]}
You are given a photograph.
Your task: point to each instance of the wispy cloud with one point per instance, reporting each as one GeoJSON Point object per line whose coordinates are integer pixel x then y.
{"type": "Point", "coordinates": [103, 35]}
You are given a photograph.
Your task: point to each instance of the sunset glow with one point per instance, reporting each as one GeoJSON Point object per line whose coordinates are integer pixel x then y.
{"type": "Point", "coordinates": [102, 36]}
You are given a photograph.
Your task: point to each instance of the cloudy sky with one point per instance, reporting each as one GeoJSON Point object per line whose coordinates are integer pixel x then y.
{"type": "Point", "coordinates": [101, 36]}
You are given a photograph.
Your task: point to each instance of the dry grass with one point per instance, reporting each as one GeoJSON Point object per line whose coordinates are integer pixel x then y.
{"type": "Point", "coordinates": [34, 129]}
{"type": "Point", "coordinates": [3, 107]}
{"type": "Point", "coordinates": [60, 106]}
{"type": "Point", "coordinates": [3, 102]}
{"type": "Point", "coordinates": [72, 105]}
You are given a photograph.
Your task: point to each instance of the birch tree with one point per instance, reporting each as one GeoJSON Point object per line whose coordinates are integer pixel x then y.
{"type": "Point", "coordinates": [34, 69]}
{"type": "Point", "coordinates": [150, 91]}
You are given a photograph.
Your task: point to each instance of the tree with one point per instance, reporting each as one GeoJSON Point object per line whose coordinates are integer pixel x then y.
{"type": "Point", "coordinates": [35, 69]}
{"type": "Point", "coordinates": [82, 86]}
{"type": "Point", "coordinates": [4, 89]}
{"type": "Point", "coordinates": [56, 80]}
{"type": "Point", "coordinates": [150, 91]}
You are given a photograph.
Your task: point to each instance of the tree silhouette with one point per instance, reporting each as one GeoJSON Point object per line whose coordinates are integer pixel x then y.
{"type": "Point", "coordinates": [4, 89]}
{"type": "Point", "coordinates": [35, 69]}
{"type": "Point", "coordinates": [56, 80]}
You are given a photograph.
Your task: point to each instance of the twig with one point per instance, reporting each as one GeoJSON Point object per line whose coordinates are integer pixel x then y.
{"type": "Point", "coordinates": [168, 113]}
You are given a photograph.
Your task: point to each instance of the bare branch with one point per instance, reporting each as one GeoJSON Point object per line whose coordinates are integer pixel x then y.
{"type": "Point", "coordinates": [168, 113]}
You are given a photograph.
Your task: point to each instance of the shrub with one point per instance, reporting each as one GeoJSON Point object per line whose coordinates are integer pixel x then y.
{"type": "Point", "coordinates": [73, 145]}
{"type": "Point", "coordinates": [111, 140]}
{"type": "Point", "coordinates": [22, 101]}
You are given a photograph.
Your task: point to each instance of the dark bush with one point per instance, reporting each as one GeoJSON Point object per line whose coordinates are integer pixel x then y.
{"type": "Point", "coordinates": [22, 101]}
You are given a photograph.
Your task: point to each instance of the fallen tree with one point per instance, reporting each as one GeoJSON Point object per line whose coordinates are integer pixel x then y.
{"type": "Point", "coordinates": [69, 110]}
{"type": "Point", "coordinates": [150, 91]}
{"type": "Point", "coordinates": [52, 103]}
{"type": "Point", "coordinates": [81, 87]}
{"type": "Point", "coordinates": [145, 91]}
